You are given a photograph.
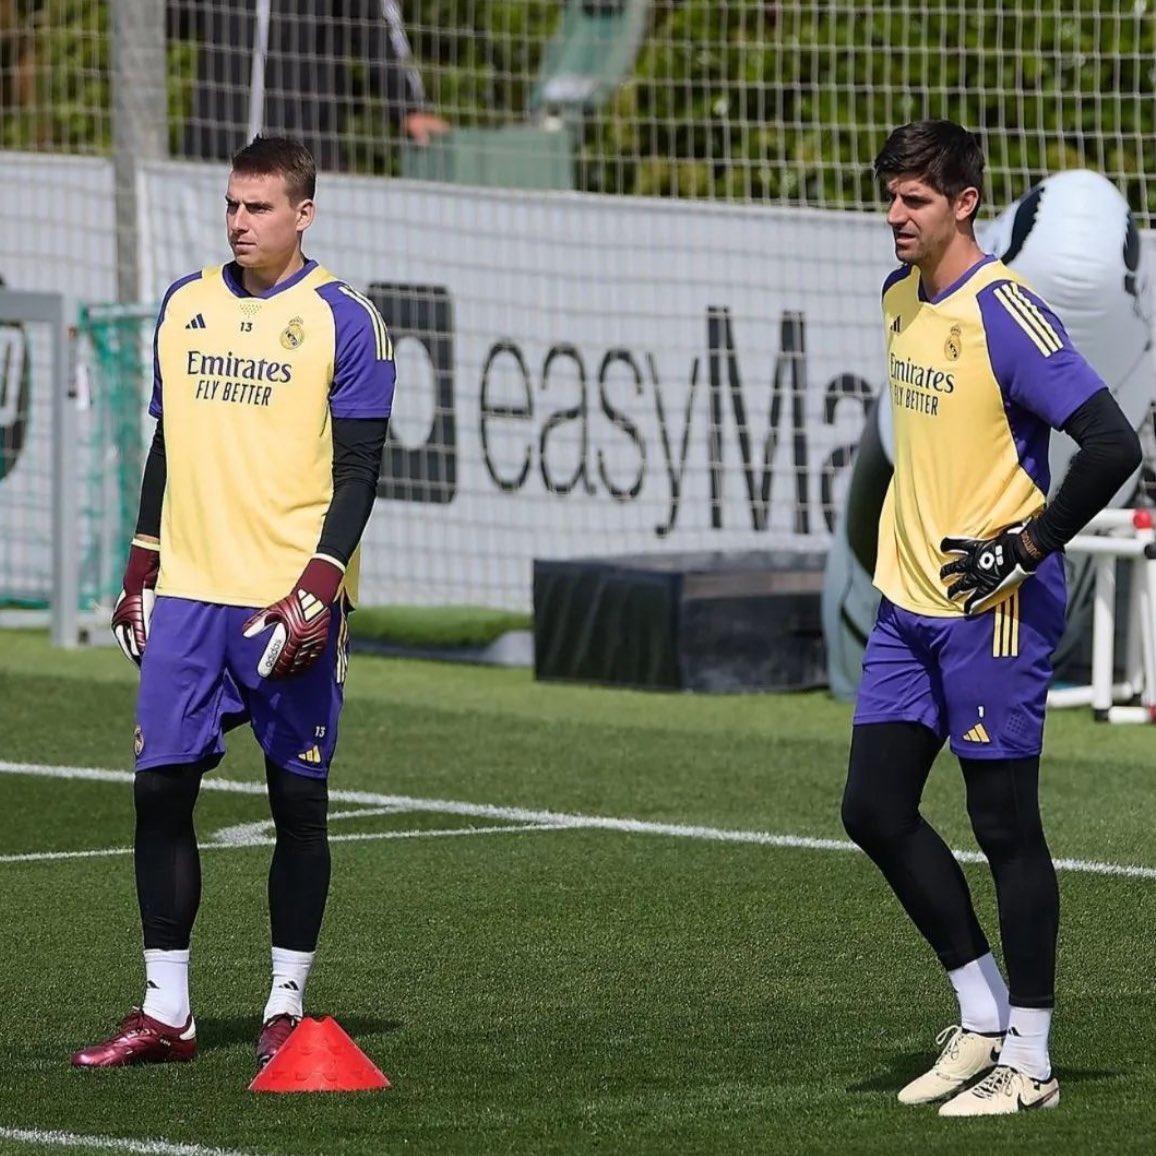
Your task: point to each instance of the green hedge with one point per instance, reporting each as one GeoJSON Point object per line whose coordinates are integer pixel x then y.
{"type": "Point", "coordinates": [436, 627]}
{"type": "Point", "coordinates": [789, 102]}
{"type": "Point", "coordinates": [783, 102]}
{"type": "Point", "coordinates": [68, 42]}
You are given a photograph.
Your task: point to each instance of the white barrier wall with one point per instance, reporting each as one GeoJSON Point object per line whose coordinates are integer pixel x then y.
{"type": "Point", "coordinates": [597, 375]}
{"type": "Point", "coordinates": [577, 375]}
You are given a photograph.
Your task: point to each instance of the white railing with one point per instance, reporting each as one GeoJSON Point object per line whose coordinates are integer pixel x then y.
{"type": "Point", "coordinates": [1110, 537]}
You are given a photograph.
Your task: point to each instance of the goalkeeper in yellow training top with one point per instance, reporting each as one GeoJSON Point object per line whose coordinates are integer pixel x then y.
{"type": "Point", "coordinates": [273, 387]}
{"type": "Point", "coordinates": [980, 371]}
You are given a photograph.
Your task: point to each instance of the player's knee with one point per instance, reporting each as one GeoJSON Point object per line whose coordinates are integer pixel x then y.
{"type": "Point", "coordinates": [165, 796]}
{"type": "Point", "coordinates": [1003, 807]}
{"type": "Point", "coordinates": [1004, 837]}
{"type": "Point", "coordinates": [873, 822]}
{"type": "Point", "coordinates": [886, 770]}
{"type": "Point", "coordinates": [299, 804]}
{"type": "Point", "coordinates": [862, 821]}
{"type": "Point", "coordinates": [854, 822]}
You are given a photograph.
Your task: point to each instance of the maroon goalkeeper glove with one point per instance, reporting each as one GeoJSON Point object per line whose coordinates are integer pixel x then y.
{"type": "Point", "coordinates": [134, 607]}
{"type": "Point", "coordinates": [300, 621]}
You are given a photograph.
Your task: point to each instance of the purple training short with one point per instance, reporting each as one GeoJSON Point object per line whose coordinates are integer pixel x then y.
{"type": "Point", "coordinates": [199, 679]}
{"type": "Point", "coordinates": [980, 682]}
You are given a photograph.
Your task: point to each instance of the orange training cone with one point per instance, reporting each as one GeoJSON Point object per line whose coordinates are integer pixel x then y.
{"type": "Point", "coordinates": [319, 1057]}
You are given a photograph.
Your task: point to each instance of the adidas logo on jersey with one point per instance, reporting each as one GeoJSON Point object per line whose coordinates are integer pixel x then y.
{"type": "Point", "coordinates": [896, 325]}
{"type": "Point", "coordinates": [197, 322]}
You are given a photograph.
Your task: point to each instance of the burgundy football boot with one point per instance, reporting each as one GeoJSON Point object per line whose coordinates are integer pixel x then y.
{"type": "Point", "coordinates": [274, 1032]}
{"type": "Point", "coordinates": [140, 1040]}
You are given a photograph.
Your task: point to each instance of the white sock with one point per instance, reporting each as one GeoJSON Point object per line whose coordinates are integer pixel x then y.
{"type": "Point", "coordinates": [167, 986]}
{"type": "Point", "coordinates": [982, 996]}
{"type": "Point", "coordinates": [1025, 1047]}
{"type": "Point", "coordinates": [290, 971]}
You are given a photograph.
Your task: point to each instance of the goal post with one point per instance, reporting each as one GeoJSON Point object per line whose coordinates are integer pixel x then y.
{"type": "Point", "coordinates": [114, 356]}
{"type": "Point", "coordinates": [38, 501]}
{"type": "Point", "coordinates": [72, 417]}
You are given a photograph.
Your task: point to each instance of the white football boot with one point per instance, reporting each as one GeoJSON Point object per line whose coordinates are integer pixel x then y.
{"type": "Point", "coordinates": [965, 1055]}
{"type": "Point", "coordinates": [1001, 1091]}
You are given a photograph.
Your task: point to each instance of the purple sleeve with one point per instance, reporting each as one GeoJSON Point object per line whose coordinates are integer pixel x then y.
{"type": "Point", "coordinates": [1032, 357]}
{"type": "Point", "coordinates": [155, 401]}
{"type": "Point", "coordinates": [364, 373]}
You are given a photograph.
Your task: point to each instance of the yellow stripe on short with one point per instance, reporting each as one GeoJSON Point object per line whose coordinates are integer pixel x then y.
{"type": "Point", "coordinates": [1005, 642]}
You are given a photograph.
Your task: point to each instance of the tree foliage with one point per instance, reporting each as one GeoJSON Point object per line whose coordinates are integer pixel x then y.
{"type": "Point", "coordinates": [789, 101]}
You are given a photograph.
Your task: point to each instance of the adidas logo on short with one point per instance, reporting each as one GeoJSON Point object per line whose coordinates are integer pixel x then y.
{"type": "Point", "coordinates": [197, 322]}
{"type": "Point", "coordinates": [312, 755]}
{"type": "Point", "coordinates": [977, 734]}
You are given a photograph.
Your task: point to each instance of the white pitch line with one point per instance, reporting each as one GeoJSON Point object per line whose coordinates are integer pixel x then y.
{"type": "Point", "coordinates": [443, 833]}
{"type": "Point", "coordinates": [54, 1139]}
{"type": "Point", "coordinates": [268, 841]}
{"type": "Point", "coordinates": [558, 819]}
{"type": "Point", "coordinates": [48, 856]}
{"type": "Point", "coordinates": [248, 834]}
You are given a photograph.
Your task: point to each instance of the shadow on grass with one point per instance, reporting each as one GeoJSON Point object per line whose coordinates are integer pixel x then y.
{"type": "Point", "coordinates": [902, 1069]}
{"type": "Point", "coordinates": [224, 1031]}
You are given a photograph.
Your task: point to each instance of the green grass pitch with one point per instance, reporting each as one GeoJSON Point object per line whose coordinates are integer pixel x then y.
{"type": "Point", "coordinates": [655, 984]}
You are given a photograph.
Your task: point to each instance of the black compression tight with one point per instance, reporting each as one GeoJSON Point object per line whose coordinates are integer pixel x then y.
{"type": "Point", "coordinates": [299, 872]}
{"type": "Point", "coordinates": [889, 765]}
{"type": "Point", "coordinates": [166, 860]}
{"type": "Point", "coordinates": [168, 864]}
{"type": "Point", "coordinates": [1003, 803]}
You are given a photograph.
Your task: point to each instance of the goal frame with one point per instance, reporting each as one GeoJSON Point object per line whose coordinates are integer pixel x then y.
{"type": "Point", "coordinates": [23, 307]}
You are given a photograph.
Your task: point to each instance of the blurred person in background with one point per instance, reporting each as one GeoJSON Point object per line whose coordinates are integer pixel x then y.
{"type": "Point", "coordinates": [323, 68]}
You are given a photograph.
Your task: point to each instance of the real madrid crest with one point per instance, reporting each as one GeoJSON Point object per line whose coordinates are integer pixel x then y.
{"type": "Point", "coordinates": [137, 741]}
{"type": "Point", "coordinates": [293, 335]}
{"type": "Point", "coordinates": [953, 346]}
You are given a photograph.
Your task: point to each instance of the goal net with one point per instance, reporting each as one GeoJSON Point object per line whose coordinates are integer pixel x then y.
{"type": "Point", "coordinates": [634, 286]}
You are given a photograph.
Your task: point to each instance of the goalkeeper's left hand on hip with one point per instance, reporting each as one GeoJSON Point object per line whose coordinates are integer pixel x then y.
{"type": "Point", "coordinates": [299, 621]}
{"type": "Point", "coordinates": [985, 569]}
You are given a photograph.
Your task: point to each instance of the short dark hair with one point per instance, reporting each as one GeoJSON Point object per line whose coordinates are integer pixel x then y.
{"type": "Point", "coordinates": [940, 152]}
{"type": "Point", "coordinates": [281, 156]}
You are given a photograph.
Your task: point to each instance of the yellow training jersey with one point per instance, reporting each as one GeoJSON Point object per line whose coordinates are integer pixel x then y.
{"type": "Point", "coordinates": [247, 387]}
{"type": "Point", "coordinates": [977, 378]}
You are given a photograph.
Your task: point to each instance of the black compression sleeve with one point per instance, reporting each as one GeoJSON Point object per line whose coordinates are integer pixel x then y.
{"type": "Point", "coordinates": [357, 449]}
{"type": "Point", "coordinates": [1109, 452]}
{"type": "Point", "coordinates": [152, 490]}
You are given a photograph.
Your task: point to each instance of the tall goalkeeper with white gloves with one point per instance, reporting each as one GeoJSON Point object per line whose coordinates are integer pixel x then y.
{"type": "Point", "coordinates": [980, 371]}
{"type": "Point", "coordinates": [273, 388]}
